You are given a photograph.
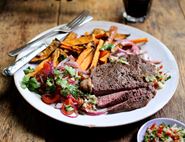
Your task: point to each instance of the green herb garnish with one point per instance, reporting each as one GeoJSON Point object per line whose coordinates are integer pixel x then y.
{"type": "Point", "coordinates": [69, 108]}
{"type": "Point", "coordinates": [31, 83]}
{"type": "Point", "coordinates": [169, 77]}
{"type": "Point", "coordinates": [123, 60]}
{"type": "Point", "coordinates": [28, 70]}
{"type": "Point", "coordinates": [62, 82]}
{"type": "Point", "coordinates": [70, 70]}
{"type": "Point", "coordinates": [107, 47]}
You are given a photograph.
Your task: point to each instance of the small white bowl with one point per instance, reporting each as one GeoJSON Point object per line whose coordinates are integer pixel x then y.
{"type": "Point", "coordinates": [168, 121]}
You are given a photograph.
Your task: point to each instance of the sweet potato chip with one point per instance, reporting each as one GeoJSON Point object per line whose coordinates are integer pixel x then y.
{"type": "Point", "coordinates": [78, 41]}
{"type": "Point", "coordinates": [121, 36]}
{"type": "Point", "coordinates": [96, 54]}
{"type": "Point", "coordinates": [140, 40]}
{"type": "Point", "coordinates": [70, 36]}
{"type": "Point", "coordinates": [87, 61]}
{"type": "Point", "coordinates": [104, 58]}
{"type": "Point", "coordinates": [39, 67]}
{"type": "Point", "coordinates": [99, 33]}
{"type": "Point", "coordinates": [84, 54]}
{"type": "Point", "coordinates": [55, 56]}
{"type": "Point", "coordinates": [47, 52]}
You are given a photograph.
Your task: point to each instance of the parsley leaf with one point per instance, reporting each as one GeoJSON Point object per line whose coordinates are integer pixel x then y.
{"type": "Point", "coordinates": [30, 83]}
{"type": "Point", "coordinates": [28, 70]}
{"type": "Point", "coordinates": [62, 82]}
{"type": "Point", "coordinates": [70, 70]}
{"type": "Point", "coordinates": [107, 47]}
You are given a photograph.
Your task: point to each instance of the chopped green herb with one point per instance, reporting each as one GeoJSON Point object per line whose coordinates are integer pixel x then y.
{"type": "Point", "coordinates": [123, 60]}
{"type": "Point", "coordinates": [107, 47]}
{"type": "Point", "coordinates": [62, 82]}
{"type": "Point", "coordinates": [150, 78]}
{"type": "Point", "coordinates": [25, 81]}
{"type": "Point", "coordinates": [70, 70]}
{"type": "Point", "coordinates": [169, 77]}
{"type": "Point", "coordinates": [28, 70]}
{"type": "Point", "coordinates": [92, 99]}
{"type": "Point", "coordinates": [69, 108]}
{"type": "Point", "coordinates": [113, 59]}
{"type": "Point", "coordinates": [117, 59]}
{"type": "Point", "coordinates": [70, 89]}
{"type": "Point", "coordinates": [73, 90]}
{"type": "Point", "coordinates": [50, 82]}
{"type": "Point", "coordinates": [57, 72]}
{"type": "Point", "coordinates": [50, 85]}
{"type": "Point", "coordinates": [31, 83]}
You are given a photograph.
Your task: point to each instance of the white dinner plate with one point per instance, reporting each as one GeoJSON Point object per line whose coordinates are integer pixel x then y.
{"type": "Point", "coordinates": [155, 49]}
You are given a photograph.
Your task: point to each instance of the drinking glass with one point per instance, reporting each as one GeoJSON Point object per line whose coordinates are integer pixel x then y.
{"type": "Point", "coordinates": [136, 10]}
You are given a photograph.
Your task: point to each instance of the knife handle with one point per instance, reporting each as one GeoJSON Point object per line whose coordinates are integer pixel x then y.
{"type": "Point", "coordinates": [10, 70]}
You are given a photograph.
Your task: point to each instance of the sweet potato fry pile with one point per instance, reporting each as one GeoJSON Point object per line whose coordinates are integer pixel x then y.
{"type": "Point", "coordinates": [89, 50]}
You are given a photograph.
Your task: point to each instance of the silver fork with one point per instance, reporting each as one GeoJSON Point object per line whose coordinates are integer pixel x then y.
{"type": "Point", "coordinates": [64, 29]}
{"type": "Point", "coordinates": [10, 70]}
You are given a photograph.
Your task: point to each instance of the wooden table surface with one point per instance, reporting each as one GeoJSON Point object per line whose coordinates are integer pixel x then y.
{"type": "Point", "coordinates": [21, 20]}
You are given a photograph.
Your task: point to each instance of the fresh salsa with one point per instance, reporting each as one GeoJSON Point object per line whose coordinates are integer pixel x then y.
{"type": "Point", "coordinates": [164, 133]}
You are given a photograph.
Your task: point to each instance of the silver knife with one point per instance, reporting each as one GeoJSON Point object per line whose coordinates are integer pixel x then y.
{"type": "Point", "coordinates": [9, 71]}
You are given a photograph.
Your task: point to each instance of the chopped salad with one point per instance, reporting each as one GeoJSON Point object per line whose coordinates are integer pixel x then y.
{"type": "Point", "coordinates": [164, 133]}
{"type": "Point", "coordinates": [60, 85]}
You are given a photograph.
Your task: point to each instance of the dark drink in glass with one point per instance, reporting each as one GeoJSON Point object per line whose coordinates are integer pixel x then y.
{"type": "Point", "coordinates": [136, 10]}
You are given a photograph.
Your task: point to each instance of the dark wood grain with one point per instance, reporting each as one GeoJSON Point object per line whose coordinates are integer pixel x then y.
{"type": "Point", "coordinates": [21, 20]}
{"type": "Point", "coordinates": [182, 6]}
{"type": "Point", "coordinates": [105, 10]}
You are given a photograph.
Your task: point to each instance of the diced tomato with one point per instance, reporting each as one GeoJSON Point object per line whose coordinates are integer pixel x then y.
{"type": "Point", "coordinates": [48, 99]}
{"type": "Point", "coordinates": [47, 69]}
{"type": "Point", "coordinates": [72, 98]}
{"type": "Point", "coordinates": [58, 89]}
{"type": "Point", "coordinates": [160, 128]}
{"type": "Point", "coordinates": [161, 67]}
{"type": "Point", "coordinates": [89, 106]}
{"type": "Point", "coordinates": [103, 53]}
{"type": "Point", "coordinates": [169, 133]}
{"type": "Point", "coordinates": [176, 137]}
{"type": "Point", "coordinates": [80, 101]}
{"type": "Point", "coordinates": [153, 126]}
{"type": "Point", "coordinates": [155, 84]}
{"type": "Point", "coordinates": [65, 112]}
{"type": "Point", "coordinates": [70, 101]}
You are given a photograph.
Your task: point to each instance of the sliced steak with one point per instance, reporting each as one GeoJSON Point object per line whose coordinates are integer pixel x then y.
{"type": "Point", "coordinates": [115, 77]}
{"type": "Point", "coordinates": [124, 96]}
{"type": "Point", "coordinates": [143, 67]}
{"type": "Point", "coordinates": [132, 103]}
{"type": "Point", "coordinates": [121, 87]}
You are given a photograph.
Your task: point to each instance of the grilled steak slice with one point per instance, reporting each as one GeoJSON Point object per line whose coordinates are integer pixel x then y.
{"type": "Point", "coordinates": [124, 96]}
{"type": "Point", "coordinates": [122, 87]}
{"type": "Point", "coordinates": [115, 77]}
{"type": "Point", "coordinates": [138, 100]}
{"type": "Point", "coordinates": [143, 67]}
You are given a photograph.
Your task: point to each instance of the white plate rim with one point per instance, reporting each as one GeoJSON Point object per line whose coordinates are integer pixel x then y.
{"type": "Point", "coordinates": [96, 123]}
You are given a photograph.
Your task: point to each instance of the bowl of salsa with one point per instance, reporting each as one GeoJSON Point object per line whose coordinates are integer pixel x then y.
{"type": "Point", "coordinates": [162, 130]}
